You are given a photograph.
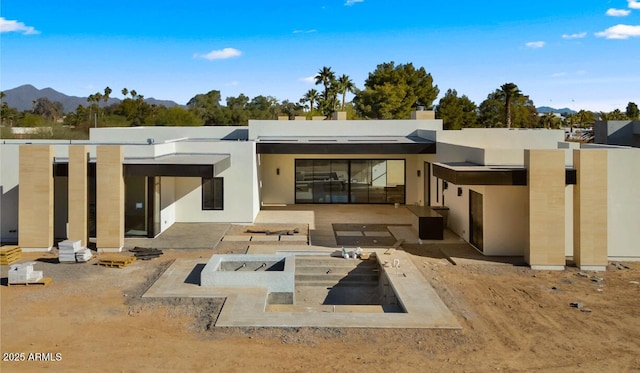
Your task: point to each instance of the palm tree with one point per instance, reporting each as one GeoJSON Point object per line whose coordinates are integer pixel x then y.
{"type": "Point", "coordinates": [107, 93]}
{"type": "Point", "coordinates": [345, 84]}
{"type": "Point", "coordinates": [311, 97]}
{"type": "Point", "coordinates": [325, 77]}
{"type": "Point", "coordinates": [133, 94]}
{"type": "Point", "coordinates": [125, 92]}
{"type": "Point", "coordinates": [508, 91]}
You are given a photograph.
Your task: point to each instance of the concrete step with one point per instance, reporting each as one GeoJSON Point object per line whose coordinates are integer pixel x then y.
{"type": "Point", "coordinates": [346, 263]}
{"type": "Point", "coordinates": [345, 283]}
{"type": "Point", "coordinates": [336, 270]}
{"type": "Point", "coordinates": [336, 279]}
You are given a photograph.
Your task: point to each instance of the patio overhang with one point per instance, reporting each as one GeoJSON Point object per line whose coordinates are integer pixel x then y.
{"type": "Point", "coordinates": [466, 173]}
{"type": "Point", "coordinates": [177, 165]}
{"type": "Point", "coordinates": [346, 145]}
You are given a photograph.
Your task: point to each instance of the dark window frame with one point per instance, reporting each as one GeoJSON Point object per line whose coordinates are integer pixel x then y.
{"type": "Point", "coordinates": [214, 186]}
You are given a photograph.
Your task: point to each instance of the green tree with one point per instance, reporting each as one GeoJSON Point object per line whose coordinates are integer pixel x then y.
{"type": "Point", "coordinates": [550, 120]}
{"type": "Point", "coordinates": [456, 112]}
{"type": "Point", "coordinates": [344, 84]}
{"type": "Point", "coordinates": [492, 111]}
{"type": "Point", "coordinates": [585, 118]}
{"type": "Point", "coordinates": [207, 107]}
{"type": "Point", "coordinates": [311, 97]}
{"type": "Point", "coordinates": [328, 101]}
{"type": "Point", "coordinates": [125, 92]}
{"type": "Point", "coordinates": [291, 109]}
{"type": "Point", "coordinates": [263, 107]}
{"type": "Point", "coordinates": [632, 111]}
{"type": "Point", "coordinates": [49, 110]}
{"type": "Point", "coordinates": [393, 91]}
{"type": "Point", "coordinates": [176, 116]}
{"type": "Point", "coordinates": [507, 93]}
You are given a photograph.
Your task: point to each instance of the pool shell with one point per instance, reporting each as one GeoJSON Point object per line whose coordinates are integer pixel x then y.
{"type": "Point", "coordinates": [220, 271]}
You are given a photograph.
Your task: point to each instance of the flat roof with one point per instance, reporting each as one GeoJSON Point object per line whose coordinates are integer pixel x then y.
{"type": "Point", "coordinates": [178, 164]}
{"type": "Point", "coordinates": [345, 145]}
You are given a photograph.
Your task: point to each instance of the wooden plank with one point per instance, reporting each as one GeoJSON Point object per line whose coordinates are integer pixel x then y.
{"type": "Point", "coordinates": [43, 281]}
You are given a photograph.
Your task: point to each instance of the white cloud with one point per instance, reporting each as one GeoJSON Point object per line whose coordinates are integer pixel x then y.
{"type": "Point", "coordinates": [634, 4]}
{"type": "Point", "coordinates": [7, 25]}
{"type": "Point", "coordinates": [613, 12]}
{"type": "Point", "coordinates": [351, 2]}
{"type": "Point", "coordinates": [574, 36]}
{"type": "Point", "coordinates": [310, 79]}
{"type": "Point", "coordinates": [535, 44]}
{"type": "Point", "coordinates": [620, 32]}
{"type": "Point", "coordinates": [305, 31]}
{"type": "Point", "coordinates": [232, 83]}
{"type": "Point", "coordinates": [220, 54]}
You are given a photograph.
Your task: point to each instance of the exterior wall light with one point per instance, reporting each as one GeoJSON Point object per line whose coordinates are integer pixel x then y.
{"type": "Point", "coordinates": [278, 171]}
{"type": "Point", "coordinates": [418, 173]}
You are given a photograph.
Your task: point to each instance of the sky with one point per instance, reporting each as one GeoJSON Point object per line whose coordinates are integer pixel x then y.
{"type": "Point", "coordinates": [567, 53]}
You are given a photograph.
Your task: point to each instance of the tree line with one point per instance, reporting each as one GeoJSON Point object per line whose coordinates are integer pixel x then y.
{"type": "Point", "coordinates": [391, 91]}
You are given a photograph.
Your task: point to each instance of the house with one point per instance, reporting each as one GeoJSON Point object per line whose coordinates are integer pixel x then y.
{"type": "Point", "coordinates": [521, 192]}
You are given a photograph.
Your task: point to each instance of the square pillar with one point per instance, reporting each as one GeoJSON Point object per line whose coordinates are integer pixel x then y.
{"type": "Point", "coordinates": [35, 198]}
{"type": "Point", "coordinates": [546, 187]}
{"type": "Point", "coordinates": [78, 194]}
{"type": "Point", "coordinates": [590, 209]}
{"type": "Point", "coordinates": [109, 198]}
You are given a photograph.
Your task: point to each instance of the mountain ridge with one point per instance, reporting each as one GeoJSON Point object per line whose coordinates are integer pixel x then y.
{"type": "Point", "coordinates": [22, 98]}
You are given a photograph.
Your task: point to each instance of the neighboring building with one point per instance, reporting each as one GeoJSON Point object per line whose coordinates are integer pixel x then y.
{"type": "Point", "coordinates": [617, 132]}
{"type": "Point", "coordinates": [510, 191]}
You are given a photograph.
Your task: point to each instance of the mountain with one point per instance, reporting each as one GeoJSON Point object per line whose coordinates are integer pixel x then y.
{"type": "Point", "coordinates": [547, 109]}
{"type": "Point", "coordinates": [22, 98]}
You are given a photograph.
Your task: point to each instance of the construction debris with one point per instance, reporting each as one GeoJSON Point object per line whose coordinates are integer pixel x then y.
{"type": "Point", "coordinates": [115, 260]}
{"type": "Point", "coordinates": [23, 274]}
{"type": "Point", "coordinates": [619, 265]}
{"type": "Point", "coordinates": [268, 231]}
{"type": "Point", "coordinates": [10, 254]}
{"type": "Point", "coordinates": [83, 255]}
{"type": "Point", "coordinates": [143, 253]}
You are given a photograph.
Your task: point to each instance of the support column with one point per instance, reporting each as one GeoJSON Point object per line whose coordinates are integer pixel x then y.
{"type": "Point", "coordinates": [590, 209]}
{"type": "Point", "coordinates": [546, 185]}
{"type": "Point", "coordinates": [109, 198]}
{"type": "Point", "coordinates": [78, 194]}
{"type": "Point", "coordinates": [35, 198]}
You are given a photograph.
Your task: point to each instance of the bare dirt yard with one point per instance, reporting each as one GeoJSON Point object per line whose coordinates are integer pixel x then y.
{"type": "Point", "coordinates": [92, 318]}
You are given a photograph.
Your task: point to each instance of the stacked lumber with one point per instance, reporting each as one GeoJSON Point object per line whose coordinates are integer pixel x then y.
{"type": "Point", "coordinates": [115, 260]}
{"type": "Point", "coordinates": [10, 254]}
{"type": "Point", "coordinates": [67, 250]}
{"type": "Point", "coordinates": [23, 274]}
{"type": "Point", "coordinates": [143, 253]}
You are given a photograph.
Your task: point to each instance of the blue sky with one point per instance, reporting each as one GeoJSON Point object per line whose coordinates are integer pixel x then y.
{"type": "Point", "coordinates": [580, 54]}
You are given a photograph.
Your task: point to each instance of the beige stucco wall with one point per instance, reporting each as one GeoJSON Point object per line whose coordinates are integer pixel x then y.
{"type": "Point", "coordinates": [589, 209]}
{"type": "Point", "coordinates": [546, 209]}
{"type": "Point", "coordinates": [78, 193]}
{"type": "Point", "coordinates": [35, 215]}
{"type": "Point", "coordinates": [109, 198]}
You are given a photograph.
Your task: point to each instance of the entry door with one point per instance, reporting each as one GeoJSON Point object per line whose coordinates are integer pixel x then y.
{"type": "Point", "coordinates": [475, 220]}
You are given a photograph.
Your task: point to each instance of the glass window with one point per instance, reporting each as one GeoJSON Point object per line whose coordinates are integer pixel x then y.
{"type": "Point", "coordinates": [212, 193]}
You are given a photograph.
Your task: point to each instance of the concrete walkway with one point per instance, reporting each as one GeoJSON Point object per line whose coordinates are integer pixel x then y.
{"type": "Point", "coordinates": [183, 236]}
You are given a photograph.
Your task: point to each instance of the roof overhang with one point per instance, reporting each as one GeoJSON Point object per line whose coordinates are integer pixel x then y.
{"type": "Point", "coordinates": [346, 145]}
{"type": "Point", "coordinates": [178, 165]}
{"type": "Point", "coordinates": [465, 173]}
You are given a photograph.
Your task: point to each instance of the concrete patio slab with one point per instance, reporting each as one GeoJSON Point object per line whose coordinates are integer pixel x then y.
{"type": "Point", "coordinates": [377, 234]}
{"type": "Point", "coordinates": [183, 236]}
{"type": "Point", "coordinates": [263, 238]}
{"type": "Point", "coordinates": [348, 233]}
{"type": "Point", "coordinates": [232, 238]}
{"type": "Point", "coordinates": [296, 238]}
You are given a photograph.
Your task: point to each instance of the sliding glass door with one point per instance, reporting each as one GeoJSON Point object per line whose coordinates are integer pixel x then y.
{"type": "Point", "coordinates": [350, 181]}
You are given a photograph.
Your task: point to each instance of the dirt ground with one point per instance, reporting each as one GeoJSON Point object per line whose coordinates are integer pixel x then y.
{"type": "Point", "coordinates": [91, 318]}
